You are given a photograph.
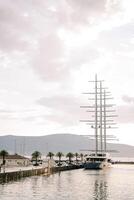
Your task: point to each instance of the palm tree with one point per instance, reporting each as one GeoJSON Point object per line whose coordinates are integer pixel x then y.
{"type": "Point", "coordinates": [36, 155]}
{"type": "Point", "coordinates": [3, 153]}
{"type": "Point", "coordinates": [50, 155]}
{"type": "Point", "coordinates": [81, 155]}
{"type": "Point", "coordinates": [76, 156]}
{"type": "Point", "coordinates": [59, 155]}
{"type": "Point", "coordinates": [70, 156]}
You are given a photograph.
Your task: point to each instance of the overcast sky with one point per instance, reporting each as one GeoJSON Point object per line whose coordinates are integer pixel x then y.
{"type": "Point", "coordinates": [49, 50]}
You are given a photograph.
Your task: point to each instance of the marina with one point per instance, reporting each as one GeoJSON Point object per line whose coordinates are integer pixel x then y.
{"type": "Point", "coordinates": [17, 173]}
{"type": "Point", "coordinates": [66, 100]}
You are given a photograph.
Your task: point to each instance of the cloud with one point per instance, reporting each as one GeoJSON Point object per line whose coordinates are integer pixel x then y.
{"type": "Point", "coordinates": [33, 27]}
{"type": "Point", "coordinates": [125, 114]}
{"type": "Point", "coordinates": [24, 23]}
{"type": "Point", "coordinates": [61, 103]}
{"type": "Point", "coordinates": [49, 61]}
{"type": "Point", "coordinates": [13, 26]}
{"type": "Point", "coordinates": [52, 63]}
{"type": "Point", "coordinates": [84, 12]}
{"type": "Point", "coordinates": [128, 99]}
{"type": "Point", "coordinates": [53, 60]}
{"type": "Point", "coordinates": [65, 110]}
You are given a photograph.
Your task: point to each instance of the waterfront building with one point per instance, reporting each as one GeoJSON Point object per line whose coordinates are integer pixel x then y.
{"type": "Point", "coordinates": [15, 160]}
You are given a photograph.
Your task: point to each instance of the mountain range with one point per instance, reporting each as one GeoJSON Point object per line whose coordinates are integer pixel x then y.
{"type": "Point", "coordinates": [26, 145]}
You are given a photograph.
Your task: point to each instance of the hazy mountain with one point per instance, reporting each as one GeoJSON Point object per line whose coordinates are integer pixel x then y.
{"type": "Point", "coordinates": [57, 142]}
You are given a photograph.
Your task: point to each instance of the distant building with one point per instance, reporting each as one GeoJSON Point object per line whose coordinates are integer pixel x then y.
{"type": "Point", "coordinates": [15, 160]}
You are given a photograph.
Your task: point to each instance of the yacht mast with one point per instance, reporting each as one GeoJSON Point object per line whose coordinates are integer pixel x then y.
{"type": "Point", "coordinates": [96, 115]}
{"type": "Point", "coordinates": [104, 120]}
{"type": "Point", "coordinates": [101, 119]}
{"type": "Point", "coordinates": [101, 141]}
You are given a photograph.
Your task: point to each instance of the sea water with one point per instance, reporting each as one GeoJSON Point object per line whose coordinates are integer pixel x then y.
{"type": "Point", "coordinates": [115, 183]}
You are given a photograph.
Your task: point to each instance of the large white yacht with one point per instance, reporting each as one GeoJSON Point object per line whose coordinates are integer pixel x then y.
{"type": "Point", "coordinates": [99, 158]}
{"type": "Point", "coordinates": [97, 161]}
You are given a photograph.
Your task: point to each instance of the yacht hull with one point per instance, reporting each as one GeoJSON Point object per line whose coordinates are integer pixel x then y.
{"type": "Point", "coordinates": [95, 165]}
{"type": "Point", "coordinates": [91, 165]}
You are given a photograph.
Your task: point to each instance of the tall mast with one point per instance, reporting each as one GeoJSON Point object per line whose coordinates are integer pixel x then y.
{"type": "Point", "coordinates": [101, 141]}
{"type": "Point", "coordinates": [101, 119]}
{"type": "Point", "coordinates": [105, 121]}
{"type": "Point", "coordinates": [96, 115]}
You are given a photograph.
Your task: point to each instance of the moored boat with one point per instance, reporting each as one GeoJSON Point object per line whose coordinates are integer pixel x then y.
{"type": "Point", "coordinates": [100, 158]}
{"type": "Point", "coordinates": [97, 161]}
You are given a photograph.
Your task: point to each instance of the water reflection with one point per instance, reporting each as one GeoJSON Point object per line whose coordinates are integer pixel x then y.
{"type": "Point", "coordinates": [100, 190]}
{"type": "Point", "coordinates": [74, 185]}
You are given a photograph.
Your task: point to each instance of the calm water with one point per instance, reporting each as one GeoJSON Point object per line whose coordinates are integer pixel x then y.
{"type": "Point", "coordinates": [116, 183]}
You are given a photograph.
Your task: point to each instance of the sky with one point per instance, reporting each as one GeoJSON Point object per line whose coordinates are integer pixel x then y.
{"type": "Point", "coordinates": [49, 50]}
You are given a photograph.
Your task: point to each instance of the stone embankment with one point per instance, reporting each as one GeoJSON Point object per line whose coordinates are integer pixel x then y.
{"type": "Point", "coordinates": [16, 175]}
{"type": "Point", "coordinates": [65, 168]}
{"type": "Point", "coordinates": [124, 162]}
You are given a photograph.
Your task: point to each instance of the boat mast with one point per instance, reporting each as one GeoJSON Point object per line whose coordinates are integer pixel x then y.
{"type": "Point", "coordinates": [101, 119]}
{"type": "Point", "coordinates": [101, 141]}
{"type": "Point", "coordinates": [96, 115]}
{"type": "Point", "coordinates": [105, 121]}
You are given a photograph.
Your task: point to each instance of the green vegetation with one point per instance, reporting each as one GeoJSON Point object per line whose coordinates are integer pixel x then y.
{"type": "Point", "coordinates": [50, 155]}
{"type": "Point", "coordinates": [76, 156]}
{"type": "Point", "coordinates": [70, 155]}
{"type": "Point", "coordinates": [36, 155]}
{"type": "Point", "coordinates": [3, 153]}
{"type": "Point", "coordinates": [59, 155]}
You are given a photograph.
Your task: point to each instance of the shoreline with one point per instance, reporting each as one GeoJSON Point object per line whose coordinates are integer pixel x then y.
{"type": "Point", "coordinates": [22, 173]}
{"type": "Point", "coordinates": [16, 175]}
